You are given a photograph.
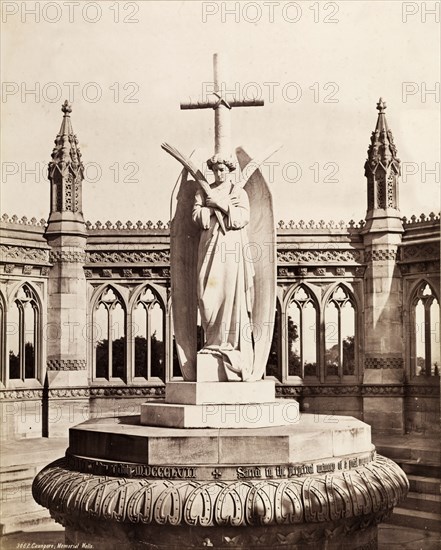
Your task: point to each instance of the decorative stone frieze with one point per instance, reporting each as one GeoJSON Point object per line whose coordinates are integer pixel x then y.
{"type": "Point", "coordinates": [127, 391]}
{"type": "Point", "coordinates": [21, 394]}
{"type": "Point", "coordinates": [381, 390]}
{"type": "Point", "coordinates": [285, 272]}
{"type": "Point", "coordinates": [289, 391]}
{"type": "Point", "coordinates": [381, 255]}
{"type": "Point", "coordinates": [331, 390]}
{"type": "Point", "coordinates": [420, 251]}
{"type": "Point", "coordinates": [319, 256]}
{"type": "Point", "coordinates": [281, 391]}
{"type": "Point", "coordinates": [68, 256]}
{"type": "Point", "coordinates": [66, 364]}
{"type": "Point", "coordinates": [414, 268]}
{"type": "Point", "coordinates": [156, 272]}
{"type": "Point", "coordinates": [419, 390]}
{"type": "Point", "coordinates": [132, 257]}
{"type": "Point", "coordinates": [23, 254]}
{"type": "Point", "coordinates": [67, 393]}
{"type": "Point", "coordinates": [383, 363]}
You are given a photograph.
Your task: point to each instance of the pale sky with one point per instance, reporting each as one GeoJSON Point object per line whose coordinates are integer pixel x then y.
{"type": "Point", "coordinates": [144, 68]}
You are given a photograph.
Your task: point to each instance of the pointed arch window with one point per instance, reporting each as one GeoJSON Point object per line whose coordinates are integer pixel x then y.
{"type": "Point", "coordinates": [24, 341]}
{"type": "Point", "coordinates": [340, 334]}
{"type": "Point", "coordinates": [110, 336]}
{"type": "Point", "coordinates": [426, 327]}
{"type": "Point", "coordinates": [149, 336]}
{"type": "Point", "coordinates": [302, 334]}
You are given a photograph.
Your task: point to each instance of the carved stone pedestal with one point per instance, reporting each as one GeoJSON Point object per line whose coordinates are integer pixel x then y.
{"type": "Point", "coordinates": [312, 484]}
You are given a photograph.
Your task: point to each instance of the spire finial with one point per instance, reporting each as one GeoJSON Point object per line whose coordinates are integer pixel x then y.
{"type": "Point", "coordinates": [381, 106]}
{"type": "Point", "coordinates": [66, 108]}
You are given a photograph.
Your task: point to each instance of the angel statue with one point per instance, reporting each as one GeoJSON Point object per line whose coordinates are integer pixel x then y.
{"type": "Point", "coordinates": [222, 252]}
{"type": "Point", "coordinates": [223, 265]}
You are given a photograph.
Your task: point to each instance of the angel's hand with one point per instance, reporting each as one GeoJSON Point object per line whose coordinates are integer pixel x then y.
{"type": "Point", "coordinates": [213, 202]}
{"type": "Point", "coordinates": [234, 200]}
{"type": "Point", "coordinates": [210, 202]}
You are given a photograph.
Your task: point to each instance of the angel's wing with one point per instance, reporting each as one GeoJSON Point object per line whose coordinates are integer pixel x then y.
{"type": "Point", "coordinates": [184, 240]}
{"type": "Point", "coordinates": [261, 231]}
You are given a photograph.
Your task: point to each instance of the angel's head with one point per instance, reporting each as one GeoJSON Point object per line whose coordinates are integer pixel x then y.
{"type": "Point", "coordinates": [220, 167]}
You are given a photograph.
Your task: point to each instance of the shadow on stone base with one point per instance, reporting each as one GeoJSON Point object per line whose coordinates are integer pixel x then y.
{"type": "Point", "coordinates": [348, 534]}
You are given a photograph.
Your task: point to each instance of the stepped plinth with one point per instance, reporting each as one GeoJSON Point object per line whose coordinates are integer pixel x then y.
{"type": "Point", "coordinates": [314, 481]}
{"type": "Point", "coordinates": [220, 405]}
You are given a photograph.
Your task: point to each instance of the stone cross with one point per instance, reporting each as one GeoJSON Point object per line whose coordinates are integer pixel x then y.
{"type": "Point", "coordinates": [222, 107]}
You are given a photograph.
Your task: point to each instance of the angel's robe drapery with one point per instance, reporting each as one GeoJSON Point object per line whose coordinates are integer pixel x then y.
{"type": "Point", "coordinates": [225, 279]}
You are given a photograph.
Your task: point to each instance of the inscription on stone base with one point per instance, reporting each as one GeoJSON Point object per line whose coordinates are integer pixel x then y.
{"type": "Point", "coordinates": [370, 489]}
{"type": "Point", "coordinates": [224, 473]}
